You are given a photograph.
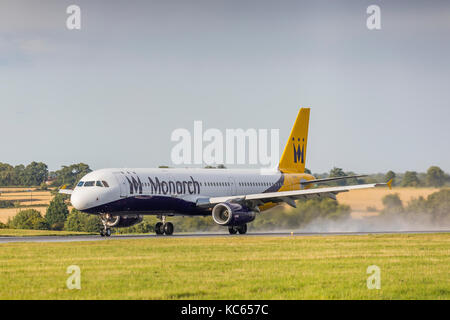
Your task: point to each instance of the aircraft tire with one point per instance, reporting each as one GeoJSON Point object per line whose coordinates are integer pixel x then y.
{"type": "Point", "coordinates": [232, 230]}
{"type": "Point", "coordinates": [168, 228]}
{"type": "Point", "coordinates": [159, 229]}
{"type": "Point", "coordinates": [242, 229]}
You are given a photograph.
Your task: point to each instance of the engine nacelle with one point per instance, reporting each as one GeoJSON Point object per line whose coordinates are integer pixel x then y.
{"type": "Point", "coordinates": [123, 221]}
{"type": "Point", "coordinates": [232, 214]}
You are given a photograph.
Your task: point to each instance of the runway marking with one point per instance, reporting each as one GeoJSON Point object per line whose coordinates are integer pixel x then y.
{"type": "Point", "coordinates": [152, 236]}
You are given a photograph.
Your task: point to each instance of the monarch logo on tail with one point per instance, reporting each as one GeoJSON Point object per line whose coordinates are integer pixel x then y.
{"type": "Point", "coordinates": [299, 152]}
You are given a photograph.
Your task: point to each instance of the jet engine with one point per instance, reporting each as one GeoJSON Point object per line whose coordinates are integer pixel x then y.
{"type": "Point", "coordinates": [232, 214]}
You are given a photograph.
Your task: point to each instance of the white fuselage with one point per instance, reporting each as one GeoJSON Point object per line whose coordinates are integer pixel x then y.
{"type": "Point", "coordinates": [156, 191]}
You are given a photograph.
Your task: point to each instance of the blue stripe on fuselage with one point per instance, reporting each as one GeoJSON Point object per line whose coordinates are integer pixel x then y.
{"type": "Point", "coordinates": [149, 205]}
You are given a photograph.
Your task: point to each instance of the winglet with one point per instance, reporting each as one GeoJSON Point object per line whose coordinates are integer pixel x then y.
{"type": "Point", "coordinates": [389, 183]}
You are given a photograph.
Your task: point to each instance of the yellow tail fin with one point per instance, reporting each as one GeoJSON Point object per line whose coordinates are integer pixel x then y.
{"type": "Point", "coordinates": [294, 154]}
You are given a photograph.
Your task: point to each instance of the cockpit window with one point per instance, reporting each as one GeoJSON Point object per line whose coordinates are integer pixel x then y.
{"type": "Point", "coordinates": [105, 184]}
{"type": "Point", "coordinates": [89, 183]}
{"type": "Point", "coordinates": [80, 184]}
{"type": "Point", "coordinates": [98, 184]}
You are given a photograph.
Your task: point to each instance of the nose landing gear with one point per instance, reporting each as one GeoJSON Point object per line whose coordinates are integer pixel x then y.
{"type": "Point", "coordinates": [105, 232]}
{"type": "Point", "coordinates": [164, 227]}
{"type": "Point", "coordinates": [108, 221]}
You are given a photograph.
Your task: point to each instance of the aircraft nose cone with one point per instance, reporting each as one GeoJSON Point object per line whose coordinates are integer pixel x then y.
{"type": "Point", "coordinates": [78, 201]}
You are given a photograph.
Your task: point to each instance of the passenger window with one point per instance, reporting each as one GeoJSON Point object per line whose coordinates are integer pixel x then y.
{"type": "Point", "coordinates": [89, 183]}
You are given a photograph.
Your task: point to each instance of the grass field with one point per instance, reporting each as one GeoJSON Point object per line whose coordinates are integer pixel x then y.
{"type": "Point", "coordinates": [31, 233]}
{"type": "Point", "coordinates": [331, 267]}
{"type": "Point", "coordinates": [38, 200]}
{"type": "Point", "coordinates": [359, 200]}
{"type": "Point", "coordinates": [24, 197]}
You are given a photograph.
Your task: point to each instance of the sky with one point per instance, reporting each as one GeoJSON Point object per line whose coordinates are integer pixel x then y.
{"type": "Point", "coordinates": [111, 93]}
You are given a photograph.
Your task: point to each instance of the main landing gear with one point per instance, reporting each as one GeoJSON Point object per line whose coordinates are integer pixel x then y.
{"type": "Point", "coordinates": [242, 229]}
{"type": "Point", "coordinates": [164, 227]}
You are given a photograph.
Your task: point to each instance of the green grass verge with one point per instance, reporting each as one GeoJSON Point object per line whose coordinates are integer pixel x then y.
{"type": "Point", "coordinates": [30, 233]}
{"type": "Point", "coordinates": [313, 267]}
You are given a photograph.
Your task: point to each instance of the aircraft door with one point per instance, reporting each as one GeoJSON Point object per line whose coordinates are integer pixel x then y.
{"type": "Point", "coordinates": [123, 185]}
{"type": "Point", "coordinates": [232, 186]}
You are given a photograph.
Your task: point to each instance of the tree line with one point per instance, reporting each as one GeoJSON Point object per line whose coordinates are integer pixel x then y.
{"type": "Point", "coordinates": [37, 174]}
{"type": "Point", "coordinates": [434, 177]}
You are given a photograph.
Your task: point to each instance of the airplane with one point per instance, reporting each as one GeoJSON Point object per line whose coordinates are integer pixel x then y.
{"type": "Point", "coordinates": [233, 197]}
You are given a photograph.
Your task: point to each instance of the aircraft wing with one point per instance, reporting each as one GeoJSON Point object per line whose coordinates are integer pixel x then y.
{"type": "Point", "coordinates": [285, 196]}
{"type": "Point", "coordinates": [64, 190]}
{"type": "Point", "coordinates": [325, 180]}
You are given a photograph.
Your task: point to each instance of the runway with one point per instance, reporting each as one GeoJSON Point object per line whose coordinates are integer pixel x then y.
{"type": "Point", "coordinates": [202, 234]}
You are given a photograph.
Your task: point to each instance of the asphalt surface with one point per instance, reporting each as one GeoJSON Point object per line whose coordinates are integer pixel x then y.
{"type": "Point", "coordinates": [202, 235]}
